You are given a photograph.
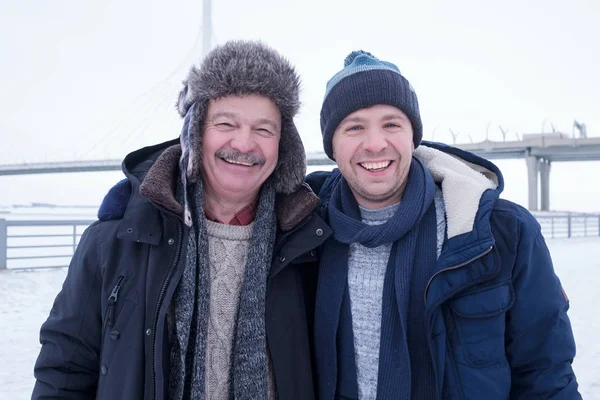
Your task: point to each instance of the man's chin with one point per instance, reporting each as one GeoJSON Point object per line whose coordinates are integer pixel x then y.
{"type": "Point", "coordinates": [380, 196]}
{"type": "Point", "coordinates": [238, 187]}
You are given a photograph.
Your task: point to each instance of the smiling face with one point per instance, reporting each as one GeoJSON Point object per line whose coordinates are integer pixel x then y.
{"type": "Point", "coordinates": [240, 146]}
{"type": "Point", "coordinates": [373, 149]}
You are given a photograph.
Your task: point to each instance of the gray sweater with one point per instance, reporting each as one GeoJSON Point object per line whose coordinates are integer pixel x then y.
{"type": "Point", "coordinates": [227, 250]}
{"type": "Point", "coordinates": [366, 273]}
{"type": "Point", "coordinates": [228, 247]}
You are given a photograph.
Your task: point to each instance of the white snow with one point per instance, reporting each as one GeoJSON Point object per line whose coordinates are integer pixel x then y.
{"type": "Point", "coordinates": [26, 298]}
{"type": "Point", "coordinates": [577, 263]}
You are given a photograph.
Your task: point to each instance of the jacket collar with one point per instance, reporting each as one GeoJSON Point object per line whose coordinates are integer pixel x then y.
{"type": "Point", "coordinates": [463, 184]}
{"type": "Point", "coordinates": [140, 220]}
{"type": "Point", "coordinates": [470, 187]}
{"type": "Point", "coordinates": [153, 172]}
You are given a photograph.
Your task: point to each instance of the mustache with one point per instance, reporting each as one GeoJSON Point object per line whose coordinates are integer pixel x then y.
{"type": "Point", "coordinates": [238, 156]}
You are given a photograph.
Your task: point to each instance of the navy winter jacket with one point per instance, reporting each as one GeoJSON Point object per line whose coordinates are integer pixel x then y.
{"type": "Point", "coordinates": [106, 338]}
{"type": "Point", "coordinates": [496, 313]}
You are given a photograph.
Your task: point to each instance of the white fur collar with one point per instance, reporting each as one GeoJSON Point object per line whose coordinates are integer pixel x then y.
{"type": "Point", "coordinates": [463, 184]}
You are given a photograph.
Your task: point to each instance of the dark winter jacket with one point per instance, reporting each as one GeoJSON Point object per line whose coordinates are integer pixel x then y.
{"type": "Point", "coordinates": [496, 314]}
{"type": "Point", "coordinates": [105, 337]}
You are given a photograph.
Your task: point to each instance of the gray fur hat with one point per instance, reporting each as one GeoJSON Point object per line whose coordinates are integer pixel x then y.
{"type": "Point", "coordinates": [239, 68]}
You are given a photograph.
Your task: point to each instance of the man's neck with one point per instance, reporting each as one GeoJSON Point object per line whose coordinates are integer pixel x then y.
{"type": "Point", "coordinates": [225, 209]}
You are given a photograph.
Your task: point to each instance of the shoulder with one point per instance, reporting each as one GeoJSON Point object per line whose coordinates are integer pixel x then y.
{"type": "Point", "coordinates": [115, 202]}
{"type": "Point", "coordinates": [316, 179]}
{"type": "Point", "coordinates": [518, 235]}
{"type": "Point", "coordinates": [517, 218]}
{"type": "Point", "coordinates": [323, 182]}
{"type": "Point", "coordinates": [89, 249]}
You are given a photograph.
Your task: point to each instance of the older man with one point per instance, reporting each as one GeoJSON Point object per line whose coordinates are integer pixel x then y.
{"type": "Point", "coordinates": [198, 280]}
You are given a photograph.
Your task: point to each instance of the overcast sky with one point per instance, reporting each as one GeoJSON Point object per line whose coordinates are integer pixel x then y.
{"type": "Point", "coordinates": [96, 79]}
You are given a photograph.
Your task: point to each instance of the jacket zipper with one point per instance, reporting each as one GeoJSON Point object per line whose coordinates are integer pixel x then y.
{"type": "Point", "coordinates": [454, 267]}
{"type": "Point", "coordinates": [159, 304]}
{"type": "Point", "coordinates": [112, 301]}
{"type": "Point", "coordinates": [109, 318]}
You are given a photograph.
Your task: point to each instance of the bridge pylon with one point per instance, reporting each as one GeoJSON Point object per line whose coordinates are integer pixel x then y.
{"type": "Point", "coordinates": [538, 183]}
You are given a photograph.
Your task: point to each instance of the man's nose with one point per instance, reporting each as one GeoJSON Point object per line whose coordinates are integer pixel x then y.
{"type": "Point", "coordinates": [375, 141]}
{"type": "Point", "coordinates": [243, 140]}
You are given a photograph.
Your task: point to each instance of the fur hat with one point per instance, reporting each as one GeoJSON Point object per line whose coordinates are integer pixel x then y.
{"type": "Point", "coordinates": [240, 68]}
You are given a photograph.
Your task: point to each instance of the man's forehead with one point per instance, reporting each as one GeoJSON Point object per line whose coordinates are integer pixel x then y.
{"type": "Point", "coordinates": [223, 113]}
{"type": "Point", "coordinates": [383, 113]}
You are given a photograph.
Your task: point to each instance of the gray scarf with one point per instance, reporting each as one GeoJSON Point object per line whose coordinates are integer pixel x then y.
{"type": "Point", "coordinates": [249, 364]}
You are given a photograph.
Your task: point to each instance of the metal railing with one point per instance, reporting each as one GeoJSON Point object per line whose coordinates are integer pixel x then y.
{"type": "Point", "coordinates": [44, 243]}
{"type": "Point", "coordinates": [569, 225]}
{"type": "Point", "coordinates": [52, 243]}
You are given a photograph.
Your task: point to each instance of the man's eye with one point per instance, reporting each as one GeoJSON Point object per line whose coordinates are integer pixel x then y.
{"type": "Point", "coordinates": [392, 125]}
{"type": "Point", "coordinates": [354, 128]}
{"type": "Point", "coordinates": [224, 124]}
{"type": "Point", "coordinates": [264, 132]}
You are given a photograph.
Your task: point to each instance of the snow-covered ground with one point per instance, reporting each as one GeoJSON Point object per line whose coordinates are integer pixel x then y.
{"type": "Point", "coordinates": [577, 263]}
{"type": "Point", "coordinates": [26, 298]}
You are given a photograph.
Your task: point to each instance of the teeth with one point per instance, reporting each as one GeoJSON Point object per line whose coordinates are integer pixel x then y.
{"type": "Point", "coordinates": [375, 165]}
{"type": "Point", "coordinates": [237, 162]}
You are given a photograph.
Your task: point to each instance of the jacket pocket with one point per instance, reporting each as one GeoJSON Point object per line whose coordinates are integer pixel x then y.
{"type": "Point", "coordinates": [479, 324]}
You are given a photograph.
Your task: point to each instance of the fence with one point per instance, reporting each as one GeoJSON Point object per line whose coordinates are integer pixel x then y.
{"type": "Point", "coordinates": [569, 225]}
{"type": "Point", "coordinates": [24, 244]}
{"type": "Point", "coordinates": [47, 243]}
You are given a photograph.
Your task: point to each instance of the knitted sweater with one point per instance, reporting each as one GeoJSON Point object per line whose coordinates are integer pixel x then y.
{"type": "Point", "coordinates": [366, 273]}
{"type": "Point", "coordinates": [228, 249]}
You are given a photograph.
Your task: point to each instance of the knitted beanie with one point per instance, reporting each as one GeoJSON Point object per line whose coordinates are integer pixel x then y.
{"type": "Point", "coordinates": [366, 81]}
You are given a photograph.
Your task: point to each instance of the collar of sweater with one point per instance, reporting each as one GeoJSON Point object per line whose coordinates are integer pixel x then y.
{"type": "Point", "coordinates": [229, 232]}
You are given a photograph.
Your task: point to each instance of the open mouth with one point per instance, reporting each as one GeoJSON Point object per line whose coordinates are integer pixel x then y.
{"type": "Point", "coordinates": [376, 166]}
{"type": "Point", "coordinates": [237, 162]}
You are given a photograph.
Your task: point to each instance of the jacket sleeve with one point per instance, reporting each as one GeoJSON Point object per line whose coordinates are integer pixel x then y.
{"type": "Point", "coordinates": [68, 363]}
{"type": "Point", "coordinates": [540, 344]}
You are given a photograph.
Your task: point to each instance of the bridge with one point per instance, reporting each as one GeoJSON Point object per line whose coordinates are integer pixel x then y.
{"type": "Point", "coordinates": [55, 167]}
{"type": "Point", "coordinates": [548, 146]}
{"type": "Point", "coordinates": [538, 150]}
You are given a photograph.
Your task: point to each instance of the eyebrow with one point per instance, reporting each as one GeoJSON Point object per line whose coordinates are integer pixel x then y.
{"type": "Point", "coordinates": [223, 114]}
{"type": "Point", "coordinates": [353, 119]}
{"type": "Point", "coordinates": [260, 121]}
{"type": "Point", "coordinates": [390, 117]}
{"type": "Point", "coordinates": [269, 122]}
{"type": "Point", "coordinates": [387, 117]}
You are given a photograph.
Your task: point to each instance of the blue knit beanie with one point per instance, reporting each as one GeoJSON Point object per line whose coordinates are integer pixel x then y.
{"type": "Point", "coordinates": [366, 81]}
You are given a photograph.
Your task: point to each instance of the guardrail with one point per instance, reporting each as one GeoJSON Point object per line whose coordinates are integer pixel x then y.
{"type": "Point", "coordinates": [43, 243]}
{"type": "Point", "coordinates": [569, 225]}
{"type": "Point", "coordinates": [51, 243]}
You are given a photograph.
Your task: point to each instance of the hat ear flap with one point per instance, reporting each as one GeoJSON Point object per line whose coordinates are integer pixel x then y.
{"type": "Point", "coordinates": [291, 167]}
{"type": "Point", "coordinates": [191, 141]}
